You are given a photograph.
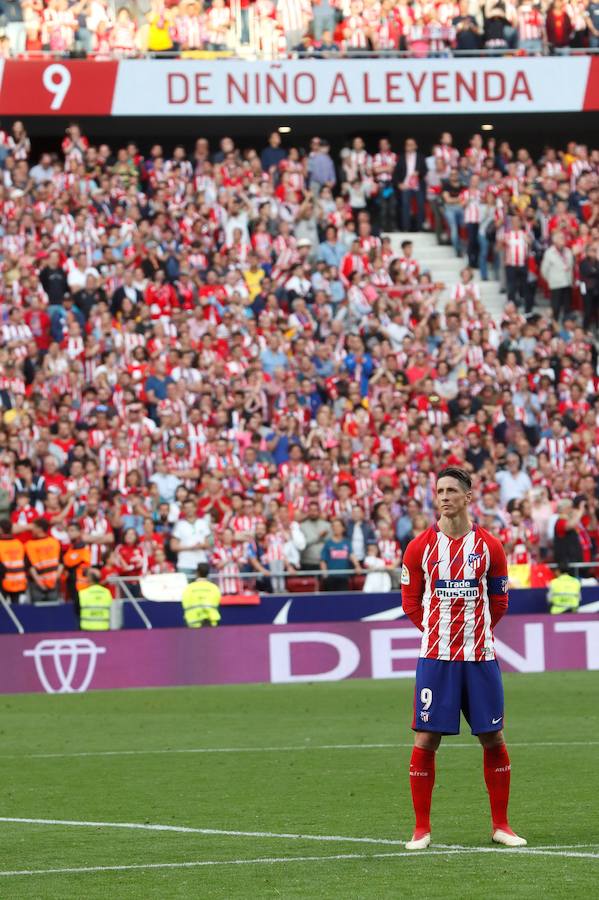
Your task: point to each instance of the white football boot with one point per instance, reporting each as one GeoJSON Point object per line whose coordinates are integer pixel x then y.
{"type": "Point", "coordinates": [508, 838]}
{"type": "Point", "coordinates": [420, 843]}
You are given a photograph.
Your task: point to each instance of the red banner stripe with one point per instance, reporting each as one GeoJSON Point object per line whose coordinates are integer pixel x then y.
{"type": "Point", "coordinates": [591, 97]}
{"type": "Point", "coordinates": [57, 87]}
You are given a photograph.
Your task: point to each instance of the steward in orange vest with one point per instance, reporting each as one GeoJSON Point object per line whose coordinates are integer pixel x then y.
{"type": "Point", "coordinates": [76, 560]}
{"type": "Point", "coordinates": [45, 567]}
{"type": "Point", "coordinates": [12, 563]}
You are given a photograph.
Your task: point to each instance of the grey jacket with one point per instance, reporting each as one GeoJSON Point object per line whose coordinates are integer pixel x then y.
{"type": "Point", "coordinates": [314, 541]}
{"type": "Point", "coordinates": [557, 267]}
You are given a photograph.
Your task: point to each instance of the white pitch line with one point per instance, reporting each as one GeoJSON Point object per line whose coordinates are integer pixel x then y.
{"type": "Point", "coordinates": [289, 749]}
{"type": "Point", "coordinates": [563, 846]}
{"type": "Point", "coordinates": [264, 860]}
{"type": "Point", "coordinates": [272, 860]}
{"type": "Point", "coordinates": [320, 838]}
{"type": "Point", "coordinates": [184, 829]}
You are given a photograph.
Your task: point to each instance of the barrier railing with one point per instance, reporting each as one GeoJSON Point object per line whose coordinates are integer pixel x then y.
{"type": "Point", "coordinates": [252, 52]}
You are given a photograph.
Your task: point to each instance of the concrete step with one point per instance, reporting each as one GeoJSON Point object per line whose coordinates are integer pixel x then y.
{"type": "Point", "coordinates": [442, 263]}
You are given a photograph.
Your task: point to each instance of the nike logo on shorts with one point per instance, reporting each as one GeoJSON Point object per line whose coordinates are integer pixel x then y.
{"type": "Point", "coordinates": [495, 721]}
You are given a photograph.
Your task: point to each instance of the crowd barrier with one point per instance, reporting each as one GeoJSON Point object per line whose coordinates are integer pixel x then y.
{"type": "Point", "coordinates": [73, 663]}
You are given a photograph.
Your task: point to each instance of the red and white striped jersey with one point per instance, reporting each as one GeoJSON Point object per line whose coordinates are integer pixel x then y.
{"type": "Point", "coordinates": [217, 20]}
{"type": "Point", "coordinates": [243, 524]}
{"type": "Point", "coordinates": [576, 169]}
{"type": "Point", "coordinates": [475, 356]}
{"type": "Point", "coordinates": [556, 449]}
{"type": "Point", "coordinates": [516, 248]}
{"type": "Point", "coordinates": [472, 199]}
{"type": "Point", "coordinates": [381, 160]}
{"type": "Point", "coordinates": [118, 467]}
{"type": "Point", "coordinates": [94, 527]}
{"type": "Point", "coordinates": [228, 562]}
{"type": "Point", "coordinates": [410, 266]}
{"type": "Point", "coordinates": [275, 546]}
{"type": "Point", "coordinates": [390, 551]}
{"type": "Point", "coordinates": [294, 14]}
{"type": "Point", "coordinates": [458, 584]}
{"type": "Point", "coordinates": [530, 23]}
{"type": "Point", "coordinates": [190, 32]}
{"type": "Point", "coordinates": [294, 477]}
{"type": "Point", "coordinates": [449, 155]}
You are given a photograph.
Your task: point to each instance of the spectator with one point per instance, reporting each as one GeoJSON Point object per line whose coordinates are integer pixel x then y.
{"type": "Point", "coordinates": [359, 533]}
{"type": "Point", "coordinates": [497, 26]}
{"type": "Point", "coordinates": [191, 539]}
{"type": "Point", "coordinates": [558, 25]}
{"type": "Point", "coordinates": [130, 558]}
{"type": "Point", "coordinates": [273, 155]}
{"type": "Point", "coordinates": [516, 245]}
{"type": "Point", "coordinates": [321, 169]}
{"type": "Point", "coordinates": [316, 531]}
{"type": "Point", "coordinates": [54, 281]}
{"type": "Point", "coordinates": [161, 26]}
{"type": "Point", "coordinates": [513, 482]}
{"type": "Point", "coordinates": [228, 559]}
{"type": "Point", "coordinates": [571, 541]}
{"type": "Point", "coordinates": [409, 181]}
{"type": "Point", "coordinates": [592, 20]}
{"type": "Point", "coordinates": [336, 558]}
{"type": "Point", "coordinates": [378, 579]}
{"type": "Point", "coordinates": [453, 208]}
{"type": "Point", "coordinates": [557, 268]}
{"type": "Point", "coordinates": [589, 275]}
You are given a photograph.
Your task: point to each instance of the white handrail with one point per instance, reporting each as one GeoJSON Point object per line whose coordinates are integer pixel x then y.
{"type": "Point", "coordinates": [11, 615]}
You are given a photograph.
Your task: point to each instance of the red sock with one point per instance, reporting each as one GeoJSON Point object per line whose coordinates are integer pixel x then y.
{"type": "Point", "coordinates": [422, 780]}
{"type": "Point", "coordinates": [497, 778]}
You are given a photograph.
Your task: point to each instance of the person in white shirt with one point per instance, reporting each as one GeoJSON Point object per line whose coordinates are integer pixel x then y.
{"type": "Point", "coordinates": [44, 170]}
{"type": "Point", "coordinates": [191, 539]}
{"type": "Point", "coordinates": [77, 277]}
{"type": "Point", "coordinates": [166, 482]}
{"type": "Point", "coordinates": [514, 483]}
{"type": "Point", "coordinates": [237, 217]}
{"type": "Point", "coordinates": [395, 330]}
{"type": "Point", "coordinates": [378, 579]}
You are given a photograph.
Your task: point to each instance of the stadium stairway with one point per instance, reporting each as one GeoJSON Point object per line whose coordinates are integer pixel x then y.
{"type": "Point", "coordinates": [440, 260]}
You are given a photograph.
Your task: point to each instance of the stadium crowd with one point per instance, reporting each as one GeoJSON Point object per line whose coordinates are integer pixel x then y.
{"type": "Point", "coordinates": [222, 357]}
{"type": "Point", "coordinates": [317, 27]}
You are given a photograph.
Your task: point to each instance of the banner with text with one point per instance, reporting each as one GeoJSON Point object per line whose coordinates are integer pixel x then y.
{"type": "Point", "coordinates": [73, 663]}
{"type": "Point", "coordinates": [310, 87]}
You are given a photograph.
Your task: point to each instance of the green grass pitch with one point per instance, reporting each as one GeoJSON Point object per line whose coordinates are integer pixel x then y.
{"type": "Point", "coordinates": [86, 758]}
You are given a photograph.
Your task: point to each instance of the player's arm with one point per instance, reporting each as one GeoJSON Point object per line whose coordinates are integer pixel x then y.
{"type": "Point", "coordinates": [497, 582]}
{"type": "Point", "coordinates": [412, 583]}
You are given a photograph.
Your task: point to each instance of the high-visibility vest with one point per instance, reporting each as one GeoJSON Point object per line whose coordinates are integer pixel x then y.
{"type": "Point", "coordinates": [44, 556]}
{"type": "Point", "coordinates": [12, 559]}
{"type": "Point", "coordinates": [94, 603]}
{"type": "Point", "coordinates": [200, 603]}
{"type": "Point", "coordinates": [77, 559]}
{"type": "Point", "coordinates": [563, 594]}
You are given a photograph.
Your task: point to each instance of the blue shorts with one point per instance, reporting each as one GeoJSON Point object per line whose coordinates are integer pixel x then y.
{"type": "Point", "coordinates": [444, 689]}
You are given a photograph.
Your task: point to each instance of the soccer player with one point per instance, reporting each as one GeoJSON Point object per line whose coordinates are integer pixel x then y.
{"type": "Point", "coordinates": [454, 589]}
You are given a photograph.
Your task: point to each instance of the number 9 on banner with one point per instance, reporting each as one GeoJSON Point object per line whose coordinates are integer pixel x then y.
{"type": "Point", "coordinates": [57, 81]}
